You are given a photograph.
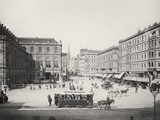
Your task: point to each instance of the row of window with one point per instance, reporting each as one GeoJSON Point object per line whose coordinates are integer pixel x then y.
{"type": "Point", "coordinates": [42, 49]}
{"type": "Point", "coordinates": [142, 56]}
{"type": "Point", "coordinates": [46, 65]}
{"type": "Point", "coordinates": [107, 58]}
{"type": "Point", "coordinates": [142, 65]}
{"type": "Point", "coordinates": [140, 39]}
{"type": "Point", "coordinates": [108, 65]}
{"type": "Point", "coordinates": [154, 43]}
{"type": "Point", "coordinates": [142, 47]}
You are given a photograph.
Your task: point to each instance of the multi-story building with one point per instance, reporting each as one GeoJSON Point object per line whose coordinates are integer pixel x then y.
{"type": "Point", "coordinates": [87, 62]}
{"type": "Point", "coordinates": [107, 61]}
{"type": "Point", "coordinates": [14, 60]}
{"type": "Point", "coordinates": [140, 53]}
{"type": "Point", "coordinates": [47, 54]}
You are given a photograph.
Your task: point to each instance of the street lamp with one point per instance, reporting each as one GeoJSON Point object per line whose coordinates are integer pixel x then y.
{"type": "Point", "coordinates": [154, 93]}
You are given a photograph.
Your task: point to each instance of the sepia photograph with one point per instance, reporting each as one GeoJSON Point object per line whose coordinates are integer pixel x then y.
{"type": "Point", "coordinates": [79, 59]}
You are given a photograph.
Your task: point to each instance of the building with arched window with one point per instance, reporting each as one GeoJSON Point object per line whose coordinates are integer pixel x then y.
{"type": "Point", "coordinates": [47, 53]}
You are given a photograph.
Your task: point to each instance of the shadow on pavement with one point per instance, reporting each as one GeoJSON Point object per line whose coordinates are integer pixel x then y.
{"type": "Point", "coordinates": [12, 105]}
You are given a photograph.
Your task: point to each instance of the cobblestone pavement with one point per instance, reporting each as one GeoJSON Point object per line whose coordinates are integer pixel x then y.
{"type": "Point", "coordinates": [26, 98]}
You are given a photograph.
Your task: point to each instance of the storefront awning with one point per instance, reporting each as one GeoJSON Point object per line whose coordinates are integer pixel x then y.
{"type": "Point", "coordinates": [104, 75]}
{"type": "Point", "coordinates": [98, 75]}
{"type": "Point", "coordinates": [138, 79]}
{"type": "Point", "coordinates": [119, 76]}
{"type": "Point", "coordinates": [109, 76]}
{"type": "Point", "coordinates": [156, 80]}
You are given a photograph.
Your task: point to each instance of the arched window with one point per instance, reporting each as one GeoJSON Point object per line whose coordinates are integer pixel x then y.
{"type": "Point", "coordinates": [48, 64]}
{"type": "Point", "coordinates": [55, 50]}
{"type": "Point", "coordinates": [48, 49]}
{"type": "Point", "coordinates": [40, 49]}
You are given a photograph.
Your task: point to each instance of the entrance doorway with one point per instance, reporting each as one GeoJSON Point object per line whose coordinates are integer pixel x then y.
{"type": "Point", "coordinates": [48, 75]}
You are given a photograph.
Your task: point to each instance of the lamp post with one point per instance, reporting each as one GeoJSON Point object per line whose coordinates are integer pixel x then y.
{"type": "Point", "coordinates": [154, 93]}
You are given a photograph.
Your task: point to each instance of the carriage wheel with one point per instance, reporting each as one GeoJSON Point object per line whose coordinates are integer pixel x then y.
{"type": "Point", "coordinates": [105, 107]}
{"type": "Point", "coordinates": [5, 99]}
{"type": "Point", "coordinates": [97, 106]}
{"type": "Point", "coordinates": [108, 107]}
{"type": "Point", "coordinates": [1, 100]}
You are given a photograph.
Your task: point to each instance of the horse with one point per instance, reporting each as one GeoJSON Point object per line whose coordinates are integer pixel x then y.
{"type": "Point", "coordinates": [105, 104]}
{"type": "Point", "coordinates": [124, 91]}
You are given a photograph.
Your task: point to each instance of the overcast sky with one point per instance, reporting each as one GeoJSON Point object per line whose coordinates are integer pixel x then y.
{"type": "Point", "coordinates": [92, 24]}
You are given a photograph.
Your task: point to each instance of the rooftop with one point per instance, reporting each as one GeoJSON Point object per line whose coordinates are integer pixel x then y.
{"type": "Point", "coordinates": [27, 40]}
{"type": "Point", "coordinates": [140, 32]}
{"type": "Point", "coordinates": [109, 49]}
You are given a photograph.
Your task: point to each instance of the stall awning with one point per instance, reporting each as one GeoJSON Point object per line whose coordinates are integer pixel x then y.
{"type": "Point", "coordinates": [109, 76]}
{"type": "Point", "coordinates": [104, 75]}
{"type": "Point", "coordinates": [98, 75]}
{"type": "Point", "coordinates": [119, 76]}
{"type": "Point", "coordinates": [156, 80]}
{"type": "Point", "coordinates": [138, 79]}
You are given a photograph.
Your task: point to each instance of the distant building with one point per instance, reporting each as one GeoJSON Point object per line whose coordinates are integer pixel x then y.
{"type": "Point", "coordinates": [69, 59]}
{"type": "Point", "coordinates": [74, 65]}
{"type": "Point", "coordinates": [64, 63]}
{"type": "Point", "coordinates": [140, 53]}
{"type": "Point", "coordinates": [14, 60]}
{"type": "Point", "coordinates": [47, 54]}
{"type": "Point", "coordinates": [87, 62]}
{"type": "Point", "coordinates": [107, 61]}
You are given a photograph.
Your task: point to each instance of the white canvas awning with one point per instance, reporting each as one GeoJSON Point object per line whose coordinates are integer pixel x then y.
{"type": "Point", "coordinates": [156, 80]}
{"type": "Point", "coordinates": [119, 76]}
{"type": "Point", "coordinates": [138, 79]}
{"type": "Point", "coordinates": [110, 75]}
{"type": "Point", "coordinates": [104, 75]}
{"type": "Point", "coordinates": [98, 75]}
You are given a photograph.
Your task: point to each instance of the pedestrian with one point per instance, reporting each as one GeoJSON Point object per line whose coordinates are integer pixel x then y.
{"type": "Point", "coordinates": [136, 88]}
{"type": "Point", "coordinates": [49, 99]}
{"type": "Point", "coordinates": [108, 99]}
{"type": "Point", "coordinates": [31, 87]}
{"type": "Point", "coordinates": [39, 86]}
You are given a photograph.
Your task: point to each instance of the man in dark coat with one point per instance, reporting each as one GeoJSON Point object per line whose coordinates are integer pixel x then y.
{"type": "Point", "coordinates": [49, 99]}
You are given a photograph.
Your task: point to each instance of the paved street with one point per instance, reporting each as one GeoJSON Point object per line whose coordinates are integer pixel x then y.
{"type": "Point", "coordinates": [22, 100]}
{"type": "Point", "coordinates": [76, 114]}
{"type": "Point", "coordinates": [38, 97]}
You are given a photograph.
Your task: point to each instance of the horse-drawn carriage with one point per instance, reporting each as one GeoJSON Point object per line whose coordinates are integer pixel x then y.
{"type": "Point", "coordinates": [105, 103]}
{"type": "Point", "coordinates": [73, 99]}
{"type": "Point", "coordinates": [116, 92]}
{"type": "Point", "coordinates": [107, 84]}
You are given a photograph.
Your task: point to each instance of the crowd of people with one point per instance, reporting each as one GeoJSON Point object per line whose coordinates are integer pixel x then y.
{"type": "Point", "coordinates": [42, 86]}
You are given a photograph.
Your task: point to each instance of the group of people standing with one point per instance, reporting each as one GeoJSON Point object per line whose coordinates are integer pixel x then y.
{"type": "Point", "coordinates": [75, 86]}
{"type": "Point", "coordinates": [48, 86]}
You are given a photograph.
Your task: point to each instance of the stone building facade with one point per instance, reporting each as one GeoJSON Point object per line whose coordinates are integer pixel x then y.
{"type": "Point", "coordinates": [140, 53]}
{"type": "Point", "coordinates": [87, 62]}
{"type": "Point", "coordinates": [14, 60]}
{"type": "Point", "coordinates": [107, 61]}
{"type": "Point", "coordinates": [64, 63]}
{"type": "Point", "coordinates": [47, 54]}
